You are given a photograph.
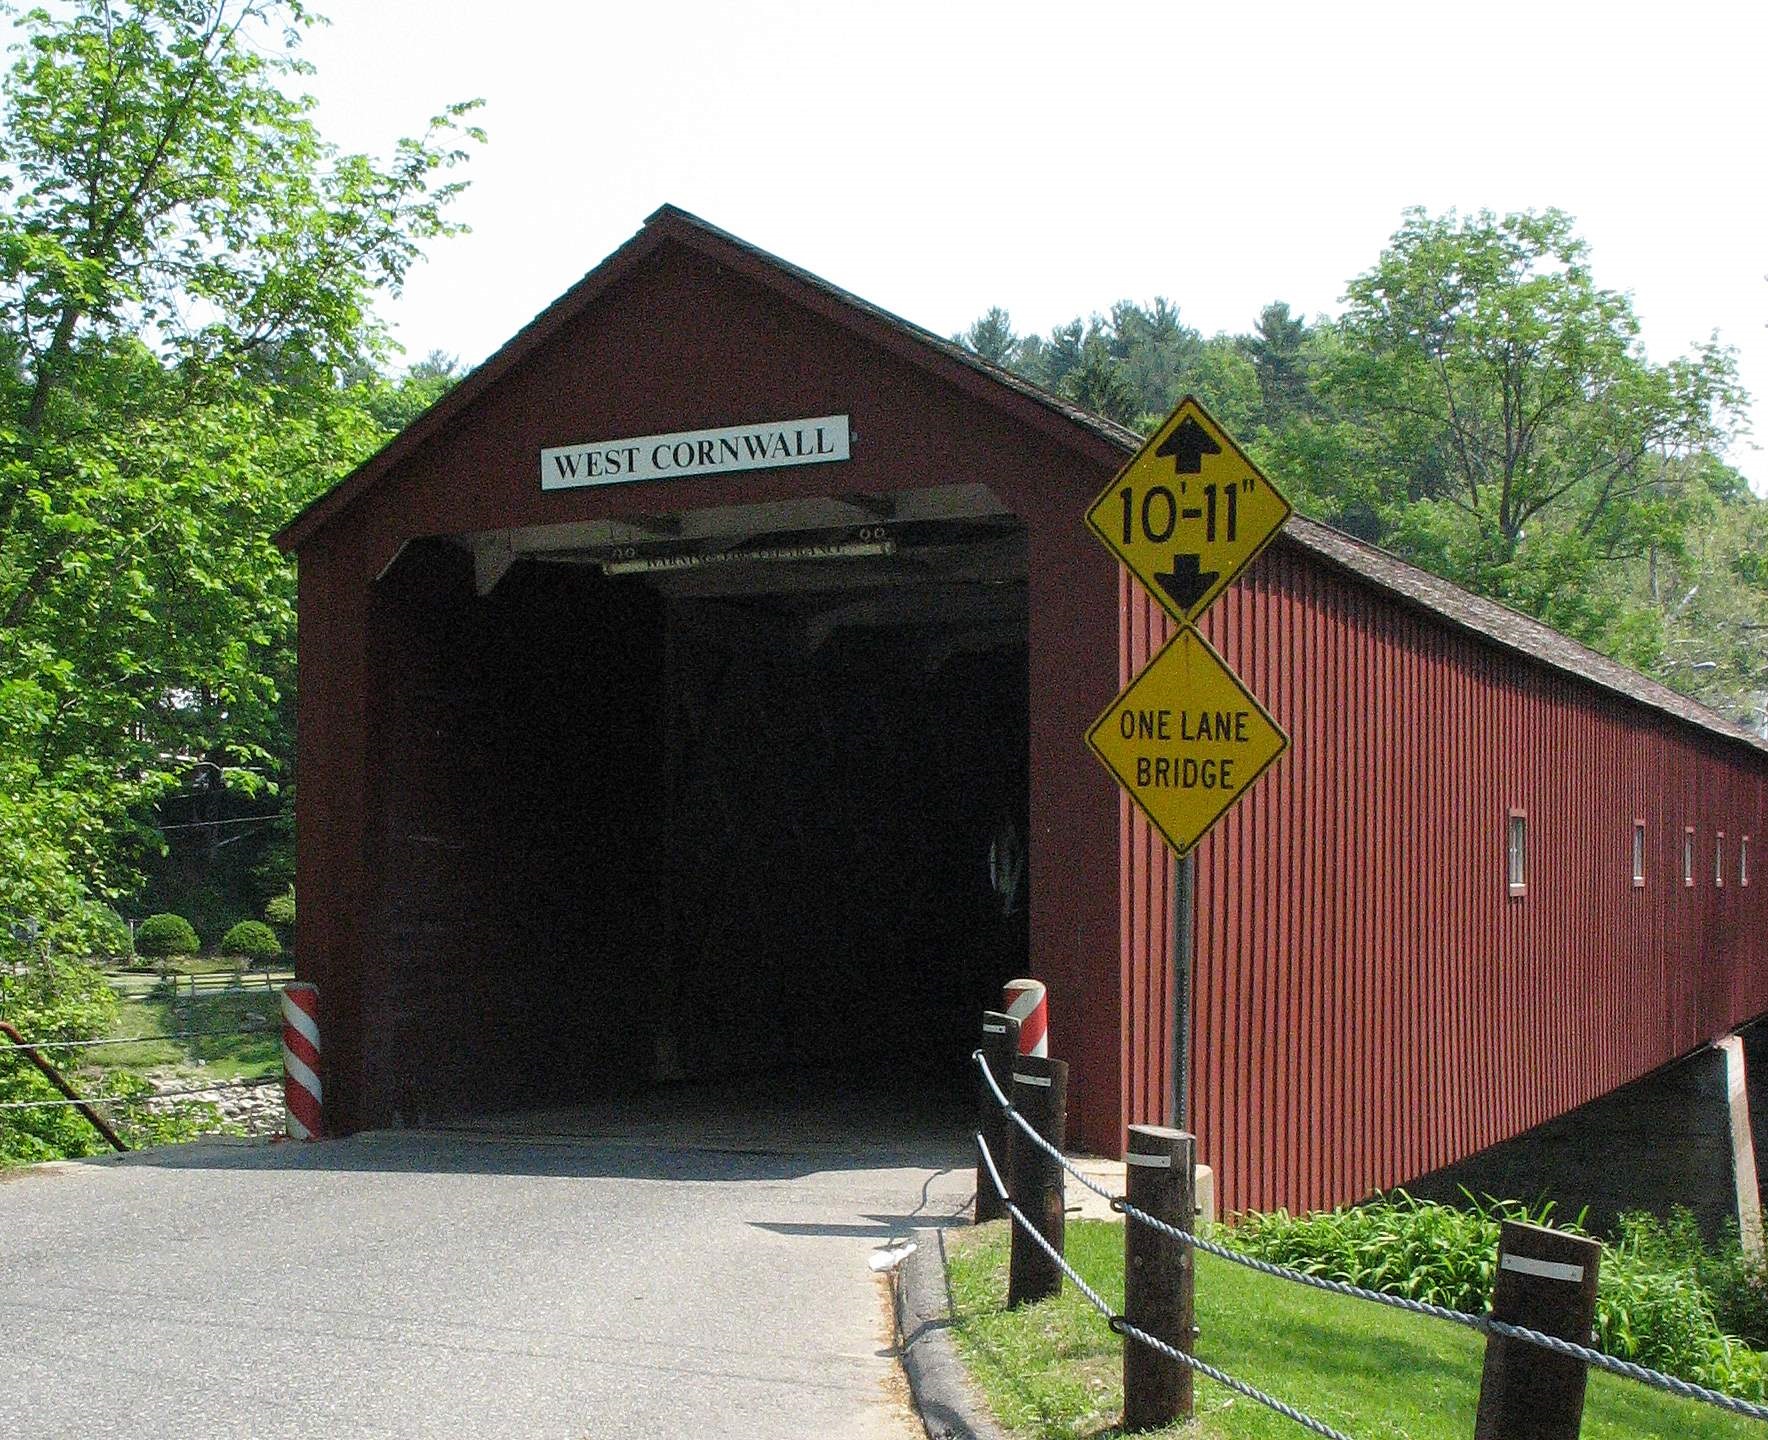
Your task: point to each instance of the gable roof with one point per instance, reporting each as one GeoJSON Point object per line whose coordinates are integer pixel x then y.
{"type": "Point", "coordinates": [1100, 439]}
{"type": "Point", "coordinates": [993, 385]}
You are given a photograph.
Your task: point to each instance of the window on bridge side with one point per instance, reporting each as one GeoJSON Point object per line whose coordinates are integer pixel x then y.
{"type": "Point", "coordinates": [1638, 853]}
{"type": "Point", "coordinates": [1743, 860]}
{"type": "Point", "coordinates": [1719, 859]}
{"type": "Point", "coordinates": [1517, 853]}
{"type": "Point", "coordinates": [1688, 856]}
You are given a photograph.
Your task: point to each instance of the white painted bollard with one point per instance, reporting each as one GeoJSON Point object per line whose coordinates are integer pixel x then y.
{"type": "Point", "coordinates": [302, 1095]}
{"type": "Point", "coordinates": [1028, 1002]}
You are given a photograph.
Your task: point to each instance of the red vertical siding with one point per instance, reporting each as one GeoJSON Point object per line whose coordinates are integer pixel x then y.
{"type": "Point", "coordinates": [1371, 1003]}
{"type": "Point", "coordinates": [698, 334]}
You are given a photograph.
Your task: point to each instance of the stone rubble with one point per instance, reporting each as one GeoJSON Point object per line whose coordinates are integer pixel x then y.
{"type": "Point", "coordinates": [253, 1109]}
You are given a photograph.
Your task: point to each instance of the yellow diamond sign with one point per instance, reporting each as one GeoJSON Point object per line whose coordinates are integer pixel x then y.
{"type": "Point", "coordinates": [1186, 739]}
{"type": "Point", "coordinates": [1188, 513]}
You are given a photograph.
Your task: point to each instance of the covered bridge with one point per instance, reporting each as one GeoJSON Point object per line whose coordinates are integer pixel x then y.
{"type": "Point", "coordinates": [700, 687]}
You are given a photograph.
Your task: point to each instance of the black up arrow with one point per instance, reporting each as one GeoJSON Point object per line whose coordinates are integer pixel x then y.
{"type": "Point", "coordinates": [1188, 581]}
{"type": "Point", "coordinates": [1188, 445]}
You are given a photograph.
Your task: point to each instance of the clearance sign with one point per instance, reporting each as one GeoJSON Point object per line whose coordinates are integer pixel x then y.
{"type": "Point", "coordinates": [1186, 739]}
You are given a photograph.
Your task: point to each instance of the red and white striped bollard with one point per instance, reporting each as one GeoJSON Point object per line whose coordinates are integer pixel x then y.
{"type": "Point", "coordinates": [302, 1095]}
{"type": "Point", "coordinates": [1028, 1002]}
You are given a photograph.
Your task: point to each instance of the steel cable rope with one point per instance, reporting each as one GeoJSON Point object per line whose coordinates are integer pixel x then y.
{"type": "Point", "coordinates": [1120, 1326]}
{"type": "Point", "coordinates": [1686, 1389]}
{"type": "Point", "coordinates": [141, 1099]}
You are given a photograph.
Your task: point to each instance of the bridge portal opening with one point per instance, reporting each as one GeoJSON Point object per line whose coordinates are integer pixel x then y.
{"type": "Point", "coordinates": [681, 798]}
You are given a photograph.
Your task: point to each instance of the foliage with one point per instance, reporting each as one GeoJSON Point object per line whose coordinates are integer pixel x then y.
{"type": "Point", "coordinates": [1652, 1306]}
{"type": "Point", "coordinates": [1440, 1254]}
{"type": "Point", "coordinates": [171, 1122]}
{"type": "Point", "coordinates": [1483, 408]}
{"type": "Point", "coordinates": [1130, 365]}
{"type": "Point", "coordinates": [1736, 1285]}
{"type": "Point", "coordinates": [251, 940]}
{"type": "Point", "coordinates": [186, 273]}
{"type": "Point", "coordinates": [165, 935]}
{"type": "Point", "coordinates": [50, 998]}
{"type": "Point", "coordinates": [50, 835]}
{"type": "Point", "coordinates": [395, 402]}
{"type": "Point", "coordinates": [1518, 436]}
{"type": "Point", "coordinates": [1054, 1371]}
{"type": "Point", "coordinates": [280, 909]}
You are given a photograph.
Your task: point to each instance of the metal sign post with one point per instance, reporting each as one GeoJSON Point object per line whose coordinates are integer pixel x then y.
{"type": "Point", "coordinates": [1186, 739]}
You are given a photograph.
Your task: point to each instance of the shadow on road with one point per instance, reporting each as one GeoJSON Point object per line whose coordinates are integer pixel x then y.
{"type": "Point", "coordinates": [775, 1126]}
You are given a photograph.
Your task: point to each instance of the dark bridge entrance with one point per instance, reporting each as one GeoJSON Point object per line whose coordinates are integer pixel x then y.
{"type": "Point", "coordinates": [748, 797]}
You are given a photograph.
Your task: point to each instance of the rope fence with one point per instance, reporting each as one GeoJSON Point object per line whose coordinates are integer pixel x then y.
{"type": "Point", "coordinates": [1121, 1326]}
{"type": "Point", "coordinates": [1483, 1324]}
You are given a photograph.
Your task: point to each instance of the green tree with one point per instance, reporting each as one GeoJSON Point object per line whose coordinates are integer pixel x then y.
{"type": "Point", "coordinates": [1048, 361]}
{"type": "Point", "coordinates": [1157, 350]}
{"type": "Point", "coordinates": [186, 275]}
{"type": "Point", "coordinates": [1278, 348]}
{"type": "Point", "coordinates": [992, 337]}
{"type": "Point", "coordinates": [1520, 438]}
{"type": "Point", "coordinates": [1101, 384]}
{"type": "Point", "coordinates": [1702, 604]}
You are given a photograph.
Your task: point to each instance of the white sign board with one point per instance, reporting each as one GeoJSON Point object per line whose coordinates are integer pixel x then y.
{"type": "Point", "coordinates": [761, 446]}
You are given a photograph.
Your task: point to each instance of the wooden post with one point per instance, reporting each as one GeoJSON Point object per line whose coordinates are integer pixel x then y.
{"type": "Point", "coordinates": [1159, 1275]}
{"type": "Point", "coordinates": [1040, 1094]}
{"type": "Point", "coordinates": [1000, 1047]}
{"type": "Point", "coordinates": [1546, 1282]}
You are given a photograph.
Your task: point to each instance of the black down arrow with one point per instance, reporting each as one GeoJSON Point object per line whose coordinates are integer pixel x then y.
{"type": "Point", "coordinates": [1187, 582]}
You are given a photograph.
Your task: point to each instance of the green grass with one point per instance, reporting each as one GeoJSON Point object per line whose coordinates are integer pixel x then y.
{"type": "Point", "coordinates": [256, 1055]}
{"type": "Point", "coordinates": [1055, 1372]}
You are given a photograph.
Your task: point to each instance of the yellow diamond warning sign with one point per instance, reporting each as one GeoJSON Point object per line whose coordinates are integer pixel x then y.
{"type": "Point", "coordinates": [1188, 513]}
{"type": "Point", "coordinates": [1186, 739]}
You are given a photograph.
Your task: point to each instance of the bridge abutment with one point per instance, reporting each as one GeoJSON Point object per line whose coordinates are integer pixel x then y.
{"type": "Point", "coordinates": [1684, 1135]}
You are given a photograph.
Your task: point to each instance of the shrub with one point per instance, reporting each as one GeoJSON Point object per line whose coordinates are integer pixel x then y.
{"type": "Point", "coordinates": [251, 940]}
{"type": "Point", "coordinates": [164, 936]}
{"type": "Point", "coordinates": [106, 933]}
{"type": "Point", "coordinates": [1435, 1253]}
{"type": "Point", "coordinates": [51, 998]}
{"type": "Point", "coordinates": [1656, 1301]}
{"type": "Point", "coordinates": [280, 909]}
{"type": "Point", "coordinates": [1736, 1285]}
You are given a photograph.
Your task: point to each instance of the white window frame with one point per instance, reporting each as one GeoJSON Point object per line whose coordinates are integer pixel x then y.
{"type": "Point", "coordinates": [1516, 852]}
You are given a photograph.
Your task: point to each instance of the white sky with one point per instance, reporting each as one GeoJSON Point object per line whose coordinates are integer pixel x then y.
{"type": "Point", "coordinates": [941, 158]}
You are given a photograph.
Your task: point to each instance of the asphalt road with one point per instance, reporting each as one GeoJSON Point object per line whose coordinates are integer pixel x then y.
{"type": "Point", "coordinates": [677, 1269]}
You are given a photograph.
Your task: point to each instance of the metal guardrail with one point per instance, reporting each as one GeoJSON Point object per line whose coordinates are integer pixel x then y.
{"type": "Point", "coordinates": [1484, 1324]}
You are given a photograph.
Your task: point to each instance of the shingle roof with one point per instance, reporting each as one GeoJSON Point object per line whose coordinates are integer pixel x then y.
{"type": "Point", "coordinates": [1498, 624]}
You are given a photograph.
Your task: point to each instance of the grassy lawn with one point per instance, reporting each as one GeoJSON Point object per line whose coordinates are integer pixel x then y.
{"type": "Point", "coordinates": [252, 1055]}
{"type": "Point", "coordinates": [1055, 1370]}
